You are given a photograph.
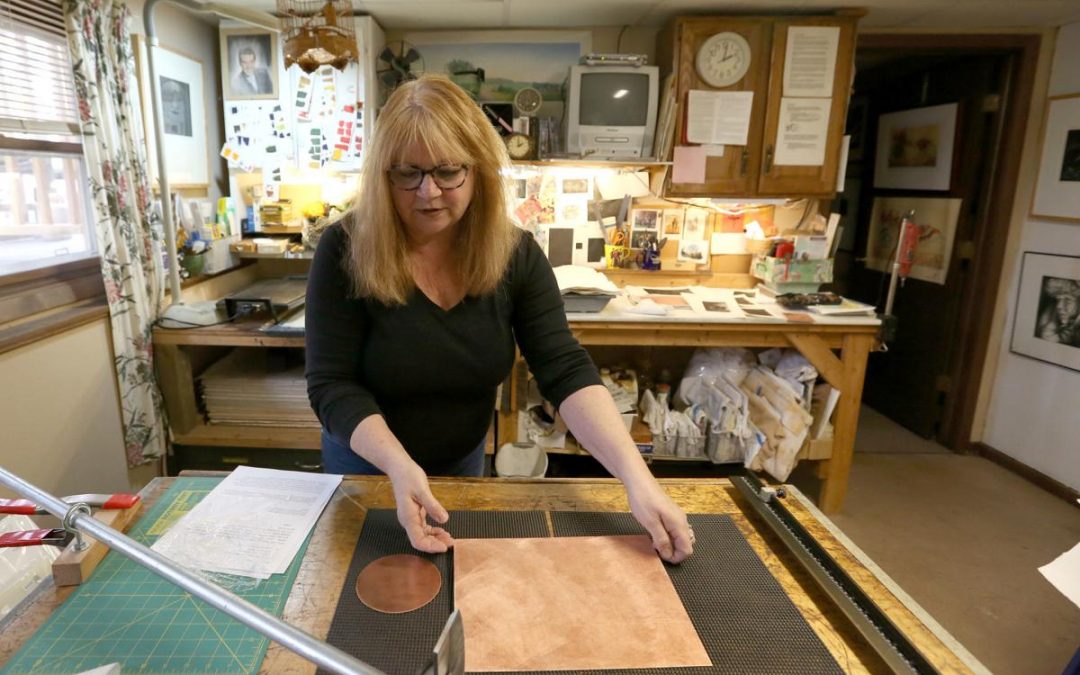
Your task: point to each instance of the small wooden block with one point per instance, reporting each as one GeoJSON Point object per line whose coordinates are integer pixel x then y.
{"type": "Point", "coordinates": [73, 567]}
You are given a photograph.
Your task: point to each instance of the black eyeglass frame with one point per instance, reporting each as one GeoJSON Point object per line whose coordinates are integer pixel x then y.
{"type": "Point", "coordinates": [424, 173]}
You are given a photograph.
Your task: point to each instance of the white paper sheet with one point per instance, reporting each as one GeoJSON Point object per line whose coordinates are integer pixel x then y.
{"type": "Point", "coordinates": [252, 524]}
{"type": "Point", "coordinates": [719, 117]}
{"type": "Point", "coordinates": [1064, 574]}
{"type": "Point", "coordinates": [616, 186]}
{"type": "Point", "coordinates": [810, 62]}
{"type": "Point", "coordinates": [803, 129]}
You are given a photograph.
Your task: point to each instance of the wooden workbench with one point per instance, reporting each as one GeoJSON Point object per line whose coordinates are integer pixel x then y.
{"type": "Point", "coordinates": [181, 354]}
{"type": "Point", "coordinates": [314, 596]}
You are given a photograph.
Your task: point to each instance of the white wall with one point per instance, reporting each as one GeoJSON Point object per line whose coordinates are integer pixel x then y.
{"type": "Point", "coordinates": [1034, 407]}
{"type": "Point", "coordinates": [60, 414]}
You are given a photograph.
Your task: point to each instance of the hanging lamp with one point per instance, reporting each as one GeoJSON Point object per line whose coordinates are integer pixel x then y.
{"type": "Point", "coordinates": [317, 33]}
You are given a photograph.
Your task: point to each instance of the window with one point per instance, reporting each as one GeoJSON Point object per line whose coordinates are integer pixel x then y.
{"type": "Point", "coordinates": [44, 209]}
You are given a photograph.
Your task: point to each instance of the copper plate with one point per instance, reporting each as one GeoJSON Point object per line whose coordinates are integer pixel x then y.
{"type": "Point", "coordinates": [396, 584]}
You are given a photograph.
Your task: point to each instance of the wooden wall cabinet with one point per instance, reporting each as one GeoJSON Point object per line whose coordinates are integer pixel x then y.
{"type": "Point", "coordinates": [752, 169]}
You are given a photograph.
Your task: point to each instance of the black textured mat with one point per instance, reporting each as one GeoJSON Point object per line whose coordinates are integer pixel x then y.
{"type": "Point", "coordinates": [402, 643]}
{"type": "Point", "coordinates": [745, 620]}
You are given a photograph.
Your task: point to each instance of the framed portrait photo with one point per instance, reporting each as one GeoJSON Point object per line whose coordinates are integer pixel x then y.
{"type": "Point", "coordinates": [1057, 190]}
{"type": "Point", "coordinates": [249, 63]}
{"type": "Point", "coordinates": [183, 116]}
{"type": "Point", "coordinates": [915, 148]}
{"type": "Point", "coordinates": [1046, 322]}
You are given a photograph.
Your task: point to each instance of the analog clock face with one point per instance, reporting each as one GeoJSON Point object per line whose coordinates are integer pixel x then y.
{"type": "Point", "coordinates": [527, 100]}
{"type": "Point", "coordinates": [723, 59]}
{"type": "Point", "coordinates": [519, 146]}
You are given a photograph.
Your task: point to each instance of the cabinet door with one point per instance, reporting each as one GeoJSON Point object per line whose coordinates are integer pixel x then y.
{"type": "Point", "coordinates": [790, 137]}
{"type": "Point", "coordinates": [734, 172]}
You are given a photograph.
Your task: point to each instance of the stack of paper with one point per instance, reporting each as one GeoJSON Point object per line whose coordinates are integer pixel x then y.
{"type": "Point", "coordinates": [252, 524]}
{"type": "Point", "coordinates": [584, 281]}
{"type": "Point", "coordinates": [255, 387]}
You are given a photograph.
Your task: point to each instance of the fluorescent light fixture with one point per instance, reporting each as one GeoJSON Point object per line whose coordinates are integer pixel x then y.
{"type": "Point", "coordinates": [620, 93]}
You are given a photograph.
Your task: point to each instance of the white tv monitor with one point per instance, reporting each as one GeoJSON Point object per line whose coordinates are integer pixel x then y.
{"type": "Point", "coordinates": [611, 111]}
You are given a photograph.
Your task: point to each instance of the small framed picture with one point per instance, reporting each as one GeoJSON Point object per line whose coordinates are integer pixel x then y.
{"type": "Point", "coordinates": [1046, 325]}
{"type": "Point", "coordinates": [249, 63]}
{"type": "Point", "coordinates": [576, 185]}
{"type": "Point", "coordinates": [1057, 191]}
{"type": "Point", "coordinates": [183, 116]}
{"type": "Point", "coordinates": [915, 148]}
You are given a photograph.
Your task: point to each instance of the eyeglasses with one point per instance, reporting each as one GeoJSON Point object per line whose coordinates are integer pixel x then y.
{"type": "Point", "coordinates": [446, 177]}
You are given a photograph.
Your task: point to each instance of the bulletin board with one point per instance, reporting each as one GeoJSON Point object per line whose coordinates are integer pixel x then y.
{"type": "Point", "coordinates": [316, 123]}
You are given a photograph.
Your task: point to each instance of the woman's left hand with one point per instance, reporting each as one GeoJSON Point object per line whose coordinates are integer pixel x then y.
{"type": "Point", "coordinates": [662, 518]}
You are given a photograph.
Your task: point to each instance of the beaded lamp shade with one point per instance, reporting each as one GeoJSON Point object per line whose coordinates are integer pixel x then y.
{"type": "Point", "coordinates": [317, 33]}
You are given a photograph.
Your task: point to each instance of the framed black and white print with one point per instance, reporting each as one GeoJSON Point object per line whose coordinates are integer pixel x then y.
{"type": "Point", "coordinates": [1046, 323]}
{"type": "Point", "coordinates": [1057, 190]}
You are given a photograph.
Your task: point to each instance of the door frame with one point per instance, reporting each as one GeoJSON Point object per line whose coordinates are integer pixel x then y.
{"type": "Point", "coordinates": [979, 294]}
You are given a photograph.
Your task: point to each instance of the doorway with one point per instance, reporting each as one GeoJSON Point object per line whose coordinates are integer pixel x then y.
{"type": "Point", "coordinates": [929, 378]}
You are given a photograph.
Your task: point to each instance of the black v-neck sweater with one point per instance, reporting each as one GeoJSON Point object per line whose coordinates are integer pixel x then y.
{"type": "Point", "coordinates": [431, 372]}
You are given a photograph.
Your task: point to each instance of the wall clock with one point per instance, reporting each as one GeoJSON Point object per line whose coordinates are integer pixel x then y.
{"type": "Point", "coordinates": [723, 59]}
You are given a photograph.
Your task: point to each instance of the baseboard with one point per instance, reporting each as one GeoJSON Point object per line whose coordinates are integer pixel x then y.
{"type": "Point", "coordinates": [1026, 472]}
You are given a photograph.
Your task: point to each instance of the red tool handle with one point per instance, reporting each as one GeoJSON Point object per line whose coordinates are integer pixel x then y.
{"type": "Point", "coordinates": [121, 500]}
{"type": "Point", "coordinates": [25, 538]}
{"type": "Point", "coordinates": [23, 507]}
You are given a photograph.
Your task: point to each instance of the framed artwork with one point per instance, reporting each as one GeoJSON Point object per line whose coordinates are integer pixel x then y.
{"type": "Point", "coordinates": [249, 63]}
{"type": "Point", "coordinates": [936, 220]}
{"type": "Point", "coordinates": [1046, 322]}
{"type": "Point", "coordinates": [1057, 190]}
{"type": "Point", "coordinates": [183, 115]}
{"type": "Point", "coordinates": [915, 148]}
{"type": "Point", "coordinates": [511, 59]}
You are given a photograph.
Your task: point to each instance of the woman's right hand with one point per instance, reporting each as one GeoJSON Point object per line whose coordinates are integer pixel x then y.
{"type": "Point", "coordinates": [415, 504]}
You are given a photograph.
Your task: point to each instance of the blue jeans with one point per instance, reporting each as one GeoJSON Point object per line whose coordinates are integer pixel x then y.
{"type": "Point", "coordinates": [339, 458]}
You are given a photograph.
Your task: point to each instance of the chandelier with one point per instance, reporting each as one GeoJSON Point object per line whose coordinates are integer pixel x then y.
{"type": "Point", "coordinates": [317, 33]}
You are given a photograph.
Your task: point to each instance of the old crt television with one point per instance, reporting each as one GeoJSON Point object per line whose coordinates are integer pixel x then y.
{"type": "Point", "coordinates": [611, 111]}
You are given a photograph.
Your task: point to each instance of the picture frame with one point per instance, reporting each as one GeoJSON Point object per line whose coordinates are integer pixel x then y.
{"type": "Point", "coordinates": [249, 63]}
{"type": "Point", "coordinates": [915, 148]}
{"type": "Point", "coordinates": [511, 60]}
{"type": "Point", "coordinates": [937, 219]}
{"type": "Point", "coordinates": [1057, 189]}
{"type": "Point", "coordinates": [1046, 318]}
{"type": "Point", "coordinates": [184, 116]}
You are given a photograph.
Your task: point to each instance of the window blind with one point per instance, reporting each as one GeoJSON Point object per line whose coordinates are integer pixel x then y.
{"type": "Point", "coordinates": [37, 88]}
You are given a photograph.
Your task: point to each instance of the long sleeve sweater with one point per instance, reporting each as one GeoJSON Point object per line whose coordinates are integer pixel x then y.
{"type": "Point", "coordinates": [432, 373]}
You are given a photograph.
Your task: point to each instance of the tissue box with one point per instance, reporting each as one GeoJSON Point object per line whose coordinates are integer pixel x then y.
{"type": "Point", "coordinates": [795, 276]}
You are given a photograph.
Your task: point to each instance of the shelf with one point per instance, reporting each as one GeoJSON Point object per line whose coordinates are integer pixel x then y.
{"type": "Point", "coordinates": [592, 163]}
{"type": "Point", "coordinates": [230, 435]}
{"type": "Point", "coordinates": [303, 255]}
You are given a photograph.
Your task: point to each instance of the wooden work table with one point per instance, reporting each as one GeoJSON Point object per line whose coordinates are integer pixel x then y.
{"type": "Point", "coordinates": [314, 596]}
{"type": "Point", "coordinates": [182, 354]}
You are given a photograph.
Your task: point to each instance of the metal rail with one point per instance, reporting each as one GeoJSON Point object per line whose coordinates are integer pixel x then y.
{"type": "Point", "coordinates": [883, 636]}
{"type": "Point", "coordinates": [290, 637]}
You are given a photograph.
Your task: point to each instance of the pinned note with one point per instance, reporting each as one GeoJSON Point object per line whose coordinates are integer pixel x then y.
{"type": "Point", "coordinates": [689, 164]}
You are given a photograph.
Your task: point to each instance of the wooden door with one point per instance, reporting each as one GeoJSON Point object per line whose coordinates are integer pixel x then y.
{"type": "Point", "coordinates": [735, 172]}
{"type": "Point", "coordinates": [797, 180]}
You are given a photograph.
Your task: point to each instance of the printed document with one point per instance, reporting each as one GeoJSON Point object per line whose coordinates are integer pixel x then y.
{"type": "Point", "coordinates": [252, 524]}
{"type": "Point", "coordinates": [718, 117]}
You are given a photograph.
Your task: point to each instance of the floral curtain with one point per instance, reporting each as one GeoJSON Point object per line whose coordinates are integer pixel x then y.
{"type": "Point", "coordinates": [128, 228]}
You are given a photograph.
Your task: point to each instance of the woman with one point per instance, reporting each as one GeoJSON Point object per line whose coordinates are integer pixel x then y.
{"type": "Point", "coordinates": [414, 303]}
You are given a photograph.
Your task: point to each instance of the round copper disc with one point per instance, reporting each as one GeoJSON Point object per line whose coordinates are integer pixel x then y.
{"type": "Point", "coordinates": [396, 584]}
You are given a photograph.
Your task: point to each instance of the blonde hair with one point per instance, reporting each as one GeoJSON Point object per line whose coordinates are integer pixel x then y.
{"type": "Point", "coordinates": [438, 114]}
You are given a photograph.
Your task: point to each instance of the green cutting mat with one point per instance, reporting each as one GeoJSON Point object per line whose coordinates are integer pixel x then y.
{"type": "Point", "coordinates": [125, 613]}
